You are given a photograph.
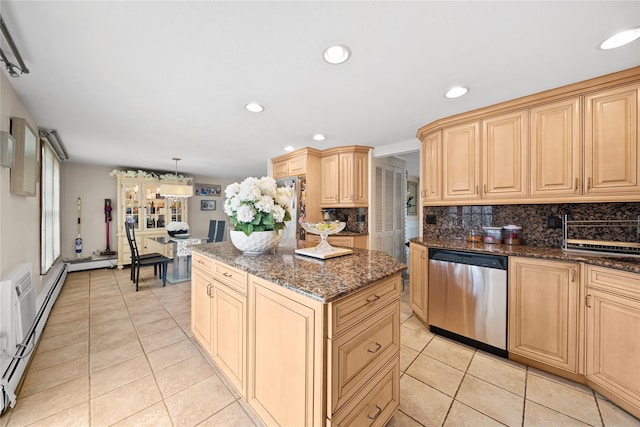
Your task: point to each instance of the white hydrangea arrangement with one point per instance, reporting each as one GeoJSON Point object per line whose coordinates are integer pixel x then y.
{"type": "Point", "coordinates": [178, 226]}
{"type": "Point", "coordinates": [257, 205]}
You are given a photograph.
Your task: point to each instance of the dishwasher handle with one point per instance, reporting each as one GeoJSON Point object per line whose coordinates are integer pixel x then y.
{"type": "Point", "coordinates": [469, 258]}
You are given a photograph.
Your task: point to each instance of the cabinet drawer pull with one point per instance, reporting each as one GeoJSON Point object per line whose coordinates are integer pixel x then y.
{"type": "Point", "coordinates": [375, 350]}
{"type": "Point", "coordinates": [200, 261]}
{"type": "Point", "coordinates": [377, 414]}
{"type": "Point", "coordinates": [372, 299]}
{"type": "Point", "coordinates": [587, 301]}
{"type": "Point", "coordinates": [209, 286]}
{"type": "Point", "coordinates": [227, 275]}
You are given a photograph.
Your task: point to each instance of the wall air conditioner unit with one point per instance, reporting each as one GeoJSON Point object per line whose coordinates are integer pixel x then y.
{"type": "Point", "coordinates": [21, 324]}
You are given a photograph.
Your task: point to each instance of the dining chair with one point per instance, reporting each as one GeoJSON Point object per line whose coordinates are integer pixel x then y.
{"type": "Point", "coordinates": [131, 236]}
{"type": "Point", "coordinates": [157, 260]}
{"type": "Point", "coordinates": [216, 230]}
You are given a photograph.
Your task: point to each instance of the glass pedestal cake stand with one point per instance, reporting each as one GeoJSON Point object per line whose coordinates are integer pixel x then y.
{"type": "Point", "coordinates": [324, 250]}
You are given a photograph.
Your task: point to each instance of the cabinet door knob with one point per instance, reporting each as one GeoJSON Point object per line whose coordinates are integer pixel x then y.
{"type": "Point", "coordinates": [373, 299]}
{"type": "Point", "coordinates": [375, 350]}
{"type": "Point", "coordinates": [377, 414]}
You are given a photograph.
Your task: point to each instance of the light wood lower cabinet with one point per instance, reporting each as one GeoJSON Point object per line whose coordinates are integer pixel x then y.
{"type": "Point", "coordinates": [418, 291]}
{"type": "Point", "coordinates": [613, 335]}
{"type": "Point", "coordinates": [285, 366]}
{"type": "Point", "coordinates": [360, 241]}
{"type": "Point", "coordinates": [298, 361]}
{"type": "Point", "coordinates": [218, 316]}
{"type": "Point", "coordinates": [543, 311]}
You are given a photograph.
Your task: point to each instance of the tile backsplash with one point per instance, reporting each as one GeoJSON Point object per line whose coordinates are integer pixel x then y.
{"type": "Point", "coordinates": [453, 221]}
{"type": "Point", "coordinates": [356, 218]}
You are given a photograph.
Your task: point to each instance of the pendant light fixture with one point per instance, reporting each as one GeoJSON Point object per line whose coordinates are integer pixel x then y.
{"type": "Point", "coordinates": [176, 190]}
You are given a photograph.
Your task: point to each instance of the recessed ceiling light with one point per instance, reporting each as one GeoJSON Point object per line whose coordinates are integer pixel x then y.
{"type": "Point", "coordinates": [289, 148]}
{"type": "Point", "coordinates": [254, 107]}
{"type": "Point", "coordinates": [456, 92]}
{"type": "Point", "coordinates": [336, 54]}
{"type": "Point", "coordinates": [620, 39]}
{"type": "Point", "coordinates": [319, 137]}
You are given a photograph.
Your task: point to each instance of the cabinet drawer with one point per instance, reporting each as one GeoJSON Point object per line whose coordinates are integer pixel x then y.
{"type": "Point", "coordinates": [376, 402]}
{"type": "Point", "coordinates": [359, 353]}
{"type": "Point", "coordinates": [613, 280]}
{"type": "Point", "coordinates": [202, 264]}
{"type": "Point", "coordinates": [350, 310]}
{"type": "Point", "coordinates": [343, 241]}
{"type": "Point", "coordinates": [233, 277]}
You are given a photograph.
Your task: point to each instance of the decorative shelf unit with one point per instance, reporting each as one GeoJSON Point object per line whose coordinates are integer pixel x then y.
{"type": "Point", "coordinates": [140, 202]}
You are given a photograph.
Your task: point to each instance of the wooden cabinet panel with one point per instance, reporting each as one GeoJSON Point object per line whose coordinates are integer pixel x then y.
{"type": "Point", "coordinates": [290, 165]}
{"type": "Point", "coordinates": [285, 363]}
{"type": "Point", "coordinates": [232, 277]}
{"type": "Point", "coordinates": [613, 335]}
{"type": "Point", "coordinates": [355, 308]}
{"type": "Point", "coordinates": [611, 157]}
{"type": "Point", "coordinates": [345, 177]}
{"type": "Point", "coordinates": [555, 149]}
{"type": "Point", "coordinates": [504, 156]}
{"type": "Point", "coordinates": [431, 167]}
{"type": "Point", "coordinates": [330, 180]}
{"type": "Point", "coordinates": [461, 162]}
{"type": "Point", "coordinates": [375, 403]}
{"type": "Point", "coordinates": [543, 311]}
{"type": "Point", "coordinates": [229, 335]}
{"type": "Point", "coordinates": [613, 346]}
{"type": "Point", "coordinates": [419, 277]}
{"type": "Point", "coordinates": [362, 351]}
{"type": "Point", "coordinates": [201, 288]}
{"type": "Point", "coordinates": [361, 178]}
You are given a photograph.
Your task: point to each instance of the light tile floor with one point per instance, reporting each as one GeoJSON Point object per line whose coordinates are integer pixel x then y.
{"type": "Point", "coordinates": [111, 356]}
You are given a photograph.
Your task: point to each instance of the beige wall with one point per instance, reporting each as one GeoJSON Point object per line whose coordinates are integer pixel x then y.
{"type": "Point", "coordinates": [19, 215]}
{"type": "Point", "coordinates": [93, 184]}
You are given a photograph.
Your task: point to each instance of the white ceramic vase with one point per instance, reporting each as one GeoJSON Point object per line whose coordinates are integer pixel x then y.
{"type": "Point", "coordinates": [255, 243]}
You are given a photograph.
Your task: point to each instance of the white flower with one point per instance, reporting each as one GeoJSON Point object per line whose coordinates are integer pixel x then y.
{"type": "Point", "coordinates": [257, 198]}
{"type": "Point", "coordinates": [264, 204]}
{"type": "Point", "coordinates": [246, 213]}
{"type": "Point", "coordinates": [177, 225]}
{"type": "Point", "coordinates": [278, 213]}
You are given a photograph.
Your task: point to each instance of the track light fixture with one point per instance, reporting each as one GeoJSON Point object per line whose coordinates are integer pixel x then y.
{"type": "Point", "coordinates": [13, 69]}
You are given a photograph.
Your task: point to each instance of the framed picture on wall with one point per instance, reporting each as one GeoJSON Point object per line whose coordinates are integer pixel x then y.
{"type": "Point", "coordinates": [211, 190]}
{"type": "Point", "coordinates": [412, 198]}
{"type": "Point", "coordinates": [207, 205]}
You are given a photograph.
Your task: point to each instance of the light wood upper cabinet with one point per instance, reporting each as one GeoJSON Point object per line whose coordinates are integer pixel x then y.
{"type": "Point", "coordinates": [504, 156]}
{"type": "Point", "coordinates": [329, 166]}
{"type": "Point", "coordinates": [418, 288]}
{"type": "Point", "coordinates": [611, 155]}
{"type": "Point", "coordinates": [461, 162]}
{"type": "Point", "coordinates": [345, 177]}
{"type": "Point", "coordinates": [543, 311]}
{"type": "Point", "coordinates": [290, 165]}
{"type": "Point", "coordinates": [431, 179]}
{"type": "Point", "coordinates": [555, 149]}
{"type": "Point", "coordinates": [576, 143]}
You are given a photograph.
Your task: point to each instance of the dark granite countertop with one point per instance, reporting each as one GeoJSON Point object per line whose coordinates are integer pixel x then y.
{"type": "Point", "coordinates": [620, 263]}
{"type": "Point", "coordinates": [322, 280]}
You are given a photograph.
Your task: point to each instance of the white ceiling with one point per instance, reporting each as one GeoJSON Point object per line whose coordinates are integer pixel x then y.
{"type": "Point", "coordinates": [133, 84]}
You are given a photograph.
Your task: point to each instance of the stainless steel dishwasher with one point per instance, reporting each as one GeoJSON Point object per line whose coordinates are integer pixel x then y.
{"type": "Point", "coordinates": [468, 298]}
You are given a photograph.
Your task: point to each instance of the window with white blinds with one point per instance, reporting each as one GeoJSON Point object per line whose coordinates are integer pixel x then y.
{"type": "Point", "coordinates": [49, 208]}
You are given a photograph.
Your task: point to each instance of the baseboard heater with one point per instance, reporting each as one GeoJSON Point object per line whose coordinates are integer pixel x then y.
{"type": "Point", "coordinates": [21, 324]}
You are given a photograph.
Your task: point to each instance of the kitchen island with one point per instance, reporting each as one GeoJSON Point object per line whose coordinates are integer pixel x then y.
{"type": "Point", "coordinates": [304, 341]}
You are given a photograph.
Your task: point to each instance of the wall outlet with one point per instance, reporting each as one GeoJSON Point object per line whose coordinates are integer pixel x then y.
{"type": "Point", "coordinates": [431, 218]}
{"type": "Point", "coordinates": [554, 221]}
